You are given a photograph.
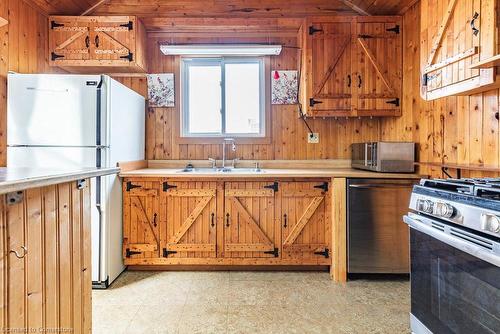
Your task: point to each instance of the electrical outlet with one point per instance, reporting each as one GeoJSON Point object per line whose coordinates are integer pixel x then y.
{"type": "Point", "coordinates": [313, 138]}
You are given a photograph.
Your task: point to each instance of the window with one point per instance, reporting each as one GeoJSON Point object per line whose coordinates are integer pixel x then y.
{"type": "Point", "coordinates": [223, 97]}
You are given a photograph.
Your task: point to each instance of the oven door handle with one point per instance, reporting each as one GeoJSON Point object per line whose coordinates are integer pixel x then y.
{"type": "Point", "coordinates": [458, 243]}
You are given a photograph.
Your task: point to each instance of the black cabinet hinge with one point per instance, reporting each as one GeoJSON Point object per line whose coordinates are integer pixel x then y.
{"type": "Point", "coordinates": [313, 30]}
{"type": "Point", "coordinates": [131, 186]}
{"type": "Point", "coordinates": [325, 253]}
{"type": "Point", "coordinates": [130, 56]}
{"type": "Point", "coordinates": [54, 24]}
{"type": "Point", "coordinates": [323, 186]}
{"type": "Point", "coordinates": [55, 56]}
{"type": "Point", "coordinates": [167, 186]}
{"type": "Point", "coordinates": [166, 252]}
{"type": "Point", "coordinates": [312, 102]}
{"type": "Point", "coordinates": [425, 79]}
{"type": "Point", "coordinates": [274, 186]}
{"type": "Point", "coordinates": [274, 252]}
{"type": "Point", "coordinates": [395, 102]}
{"type": "Point", "coordinates": [395, 30]}
{"type": "Point", "coordinates": [129, 25]}
{"type": "Point", "coordinates": [129, 253]}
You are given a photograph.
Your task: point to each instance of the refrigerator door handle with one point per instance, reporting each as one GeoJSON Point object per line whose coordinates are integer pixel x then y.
{"type": "Point", "coordinates": [56, 146]}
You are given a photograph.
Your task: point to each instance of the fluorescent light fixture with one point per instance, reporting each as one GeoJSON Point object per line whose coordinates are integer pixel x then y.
{"type": "Point", "coordinates": [221, 50]}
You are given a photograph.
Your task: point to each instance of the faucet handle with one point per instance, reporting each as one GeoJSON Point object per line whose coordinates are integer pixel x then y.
{"type": "Point", "coordinates": [257, 166]}
{"type": "Point", "coordinates": [213, 162]}
{"type": "Point", "coordinates": [235, 161]}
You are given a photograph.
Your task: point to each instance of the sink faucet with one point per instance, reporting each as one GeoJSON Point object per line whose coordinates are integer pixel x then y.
{"type": "Point", "coordinates": [233, 148]}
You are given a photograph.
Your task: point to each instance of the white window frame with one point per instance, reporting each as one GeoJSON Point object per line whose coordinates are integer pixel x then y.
{"type": "Point", "coordinates": [221, 61]}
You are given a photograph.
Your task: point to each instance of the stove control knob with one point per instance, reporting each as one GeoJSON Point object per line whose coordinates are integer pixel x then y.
{"type": "Point", "coordinates": [444, 210]}
{"type": "Point", "coordinates": [490, 222]}
{"type": "Point", "coordinates": [425, 205]}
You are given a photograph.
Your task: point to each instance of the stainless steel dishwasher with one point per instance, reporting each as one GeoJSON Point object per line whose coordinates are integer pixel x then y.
{"type": "Point", "coordinates": [378, 240]}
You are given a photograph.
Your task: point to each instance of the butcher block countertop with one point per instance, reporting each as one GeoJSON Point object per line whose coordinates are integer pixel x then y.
{"type": "Point", "coordinates": [17, 178]}
{"type": "Point", "coordinates": [266, 173]}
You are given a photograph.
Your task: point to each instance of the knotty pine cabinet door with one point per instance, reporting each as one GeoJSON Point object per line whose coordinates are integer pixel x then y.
{"type": "Point", "coordinates": [378, 62]}
{"type": "Point", "coordinates": [190, 212]}
{"type": "Point", "coordinates": [305, 221]}
{"type": "Point", "coordinates": [352, 66]}
{"type": "Point", "coordinates": [96, 44]}
{"type": "Point", "coordinates": [250, 230]}
{"type": "Point", "coordinates": [454, 35]}
{"type": "Point", "coordinates": [141, 219]}
{"type": "Point", "coordinates": [69, 39]}
{"type": "Point", "coordinates": [328, 68]}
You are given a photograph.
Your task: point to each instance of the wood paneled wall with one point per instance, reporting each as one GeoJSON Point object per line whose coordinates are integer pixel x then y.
{"type": "Point", "coordinates": [460, 129]}
{"type": "Point", "coordinates": [23, 48]}
{"type": "Point", "coordinates": [289, 134]}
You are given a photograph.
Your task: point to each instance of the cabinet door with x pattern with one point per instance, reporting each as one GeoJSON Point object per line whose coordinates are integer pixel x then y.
{"type": "Point", "coordinates": [249, 222]}
{"type": "Point", "coordinates": [189, 209]}
{"type": "Point", "coordinates": [141, 225]}
{"type": "Point", "coordinates": [305, 223]}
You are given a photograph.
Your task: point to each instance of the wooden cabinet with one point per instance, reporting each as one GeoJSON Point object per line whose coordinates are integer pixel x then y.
{"type": "Point", "coordinates": [305, 221]}
{"type": "Point", "coordinates": [97, 44]}
{"type": "Point", "coordinates": [141, 219]}
{"type": "Point", "coordinates": [226, 222]}
{"type": "Point", "coordinates": [249, 227]}
{"type": "Point", "coordinates": [455, 35]}
{"type": "Point", "coordinates": [189, 212]}
{"type": "Point", "coordinates": [45, 264]}
{"type": "Point", "coordinates": [352, 66]}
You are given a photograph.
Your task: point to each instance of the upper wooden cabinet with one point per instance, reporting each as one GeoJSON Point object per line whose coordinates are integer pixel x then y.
{"type": "Point", "coordinates": [88, 44]}
{"type": "Point", "coordinates": [455, 35]}
{"type": "Point", "coordinates": [352, 66]}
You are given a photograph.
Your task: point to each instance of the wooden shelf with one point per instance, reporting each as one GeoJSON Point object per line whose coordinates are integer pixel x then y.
{"type": "Point", "coordinates": [3, 22]}
{"type": "Point", "coordinates": [487, 63]}
{"type": "Point", "coordinates": [459, 167]}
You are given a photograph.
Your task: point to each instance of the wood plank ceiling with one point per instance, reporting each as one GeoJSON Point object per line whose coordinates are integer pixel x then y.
{"type": "Point", "coordinates": [222, 8]}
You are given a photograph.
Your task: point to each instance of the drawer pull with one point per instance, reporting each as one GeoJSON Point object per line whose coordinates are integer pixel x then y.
{"type": "Point", "coordinates": [212, 219]}
{"type": "Point", "coordinates": [154, 220]}
{"type": "Point", "coordinates": [18, 255]}
{"type": "Point", "coordinates": [227, 219]}
{"type": "Point", "coordinates": [285, 218]}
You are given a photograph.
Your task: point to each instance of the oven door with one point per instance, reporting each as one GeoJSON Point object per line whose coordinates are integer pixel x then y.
{"type": "Point", "coordinates": [455, 279]}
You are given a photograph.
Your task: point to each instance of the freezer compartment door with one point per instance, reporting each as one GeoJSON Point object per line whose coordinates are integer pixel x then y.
{"type": "Point", "coordinates": [52, 109]}
{"type": "Point", "coordinates": [51, 157]}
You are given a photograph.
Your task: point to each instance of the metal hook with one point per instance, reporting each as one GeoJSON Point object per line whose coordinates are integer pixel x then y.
{"type": "Point", "coordinates": [25, 251]}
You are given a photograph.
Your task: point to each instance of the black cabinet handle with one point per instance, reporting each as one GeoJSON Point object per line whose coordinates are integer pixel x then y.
{"type": "Point", "coordinates": [475, 31]}
{"type": "Point", "coordinates": [227, 219]}
{"type": "Point", "coordinates": [96, 41]}
{"type": "Point", "coordinates": [349, 81]}
{"type": "Point", "coordinates": [212, 219]}
{"type": "Point", "coordinates": [285, 218]}
{"type": "Point", "coordinates": [87, 42]}
{"type": "Point", "coordinates": [154, 220]}
{"type": "Point", "coordinates": [360, 81]}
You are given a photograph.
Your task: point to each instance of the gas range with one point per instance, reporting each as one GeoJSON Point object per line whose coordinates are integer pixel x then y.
{"type": "Point", "coordinates": [455, 256]}
{"type": "Point", "coordinates": [472, 203]}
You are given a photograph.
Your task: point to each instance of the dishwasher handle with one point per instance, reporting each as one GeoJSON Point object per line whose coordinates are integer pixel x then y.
{"type": "Point", "coordinates": [381, 185]}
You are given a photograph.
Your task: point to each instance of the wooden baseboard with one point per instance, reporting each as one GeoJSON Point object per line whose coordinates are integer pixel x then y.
{"type": "Point", "coordinates": [227, 268]}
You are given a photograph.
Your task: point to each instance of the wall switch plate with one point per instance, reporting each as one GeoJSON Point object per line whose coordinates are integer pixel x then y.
{"type": "Point", "coordinates": [313, 138]}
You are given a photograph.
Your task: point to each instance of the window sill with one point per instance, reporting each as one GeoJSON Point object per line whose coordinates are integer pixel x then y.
{"type": "Point", "coordinates": [219, 140]}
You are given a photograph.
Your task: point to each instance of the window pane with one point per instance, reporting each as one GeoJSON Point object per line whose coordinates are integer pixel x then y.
{"type": "Point", "coordinates": [204, 99]}
{"type": "Point", "coordinates": [242, 98]}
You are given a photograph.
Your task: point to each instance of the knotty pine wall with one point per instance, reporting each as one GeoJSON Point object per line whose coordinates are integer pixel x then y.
{"type": "Point", "coordinates": [23, 49]}
{"type": "Point", "coordinates": [455, 129]}
{"type": "Point", "coordinates": [289, 134]}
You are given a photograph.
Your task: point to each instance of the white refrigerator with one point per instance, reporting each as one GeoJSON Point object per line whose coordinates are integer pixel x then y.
{"type": "Point", "coordinates": [73, 121]}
